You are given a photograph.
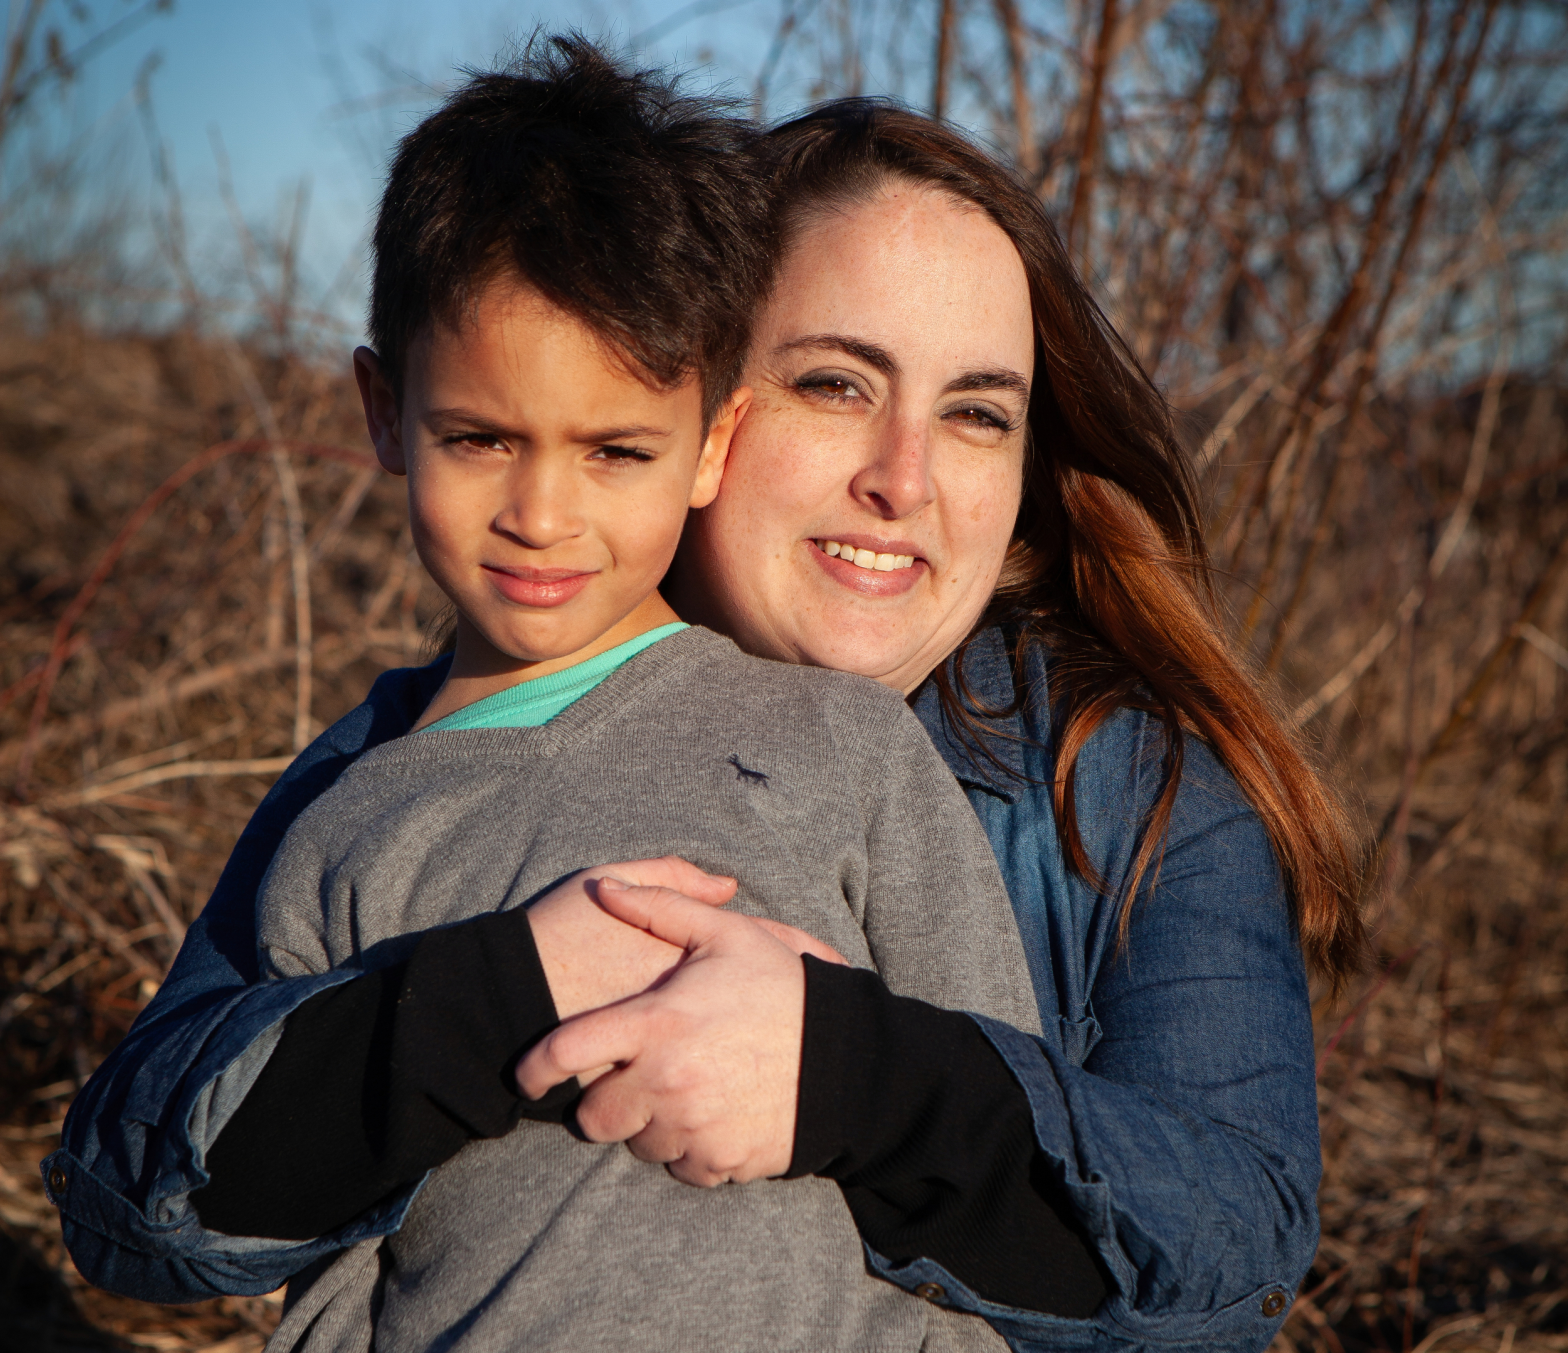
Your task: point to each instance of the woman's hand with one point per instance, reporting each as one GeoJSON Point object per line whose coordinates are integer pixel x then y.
{"type": "Point", "coordinates": [706, 1066]}
{"type": "Point", "coordinates": [591, 959]}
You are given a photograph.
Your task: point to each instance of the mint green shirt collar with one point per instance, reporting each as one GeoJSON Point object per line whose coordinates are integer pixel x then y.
{"type": "Point", "coordinates": [532, 703]}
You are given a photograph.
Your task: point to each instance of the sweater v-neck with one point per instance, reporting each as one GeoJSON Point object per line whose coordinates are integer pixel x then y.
{"type": "Point", "coordinates": [623, 692]}
{"type": "Point", "coordinates": [533, 703]}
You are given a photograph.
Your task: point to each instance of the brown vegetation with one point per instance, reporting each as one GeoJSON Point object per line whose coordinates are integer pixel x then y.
{"type": "Point", "coordinates": [1335, 232]}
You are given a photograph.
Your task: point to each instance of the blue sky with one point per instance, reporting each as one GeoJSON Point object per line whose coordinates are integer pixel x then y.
{"type": "Point", "coordinates": [318, 90]}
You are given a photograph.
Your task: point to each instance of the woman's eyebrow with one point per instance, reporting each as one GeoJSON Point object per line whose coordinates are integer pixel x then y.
{"type": "Point", "coordinates": [876, 357]}
{"type": "Point", "coordinates": [998, 378]}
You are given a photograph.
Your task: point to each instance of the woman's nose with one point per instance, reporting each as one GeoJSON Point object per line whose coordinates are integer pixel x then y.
{"type": "Point", "coordinates": [540, 506]}
{"type": "Point", "coordinates": [897, 481]}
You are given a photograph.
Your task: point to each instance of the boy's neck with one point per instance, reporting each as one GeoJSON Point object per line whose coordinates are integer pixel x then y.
{"type": "Point", "coordinates": [479, 669]}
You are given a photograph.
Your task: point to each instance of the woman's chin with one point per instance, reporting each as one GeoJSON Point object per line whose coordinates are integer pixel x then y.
{"type": "Point", "coordinates": [850, 645]}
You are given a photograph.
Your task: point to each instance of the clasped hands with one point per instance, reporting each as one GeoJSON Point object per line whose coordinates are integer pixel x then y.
{"type": "Point", "coordinates": [683, 1020]}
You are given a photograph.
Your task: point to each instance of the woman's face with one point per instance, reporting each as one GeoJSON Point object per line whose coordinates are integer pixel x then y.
{"type": "Point", "coordinates": [873, 484]}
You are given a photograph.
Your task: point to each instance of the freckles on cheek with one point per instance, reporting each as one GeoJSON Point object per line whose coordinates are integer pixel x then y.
{"type": "Point", "coordinates": [783, 458]}
{"type": "Point", "coordinates": [1002, 500]}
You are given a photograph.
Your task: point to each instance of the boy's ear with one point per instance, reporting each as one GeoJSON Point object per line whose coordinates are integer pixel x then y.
{"type": "Point", "coordinates": [716, 450]}
{"type": "Point", "coordinates": [383, 419]}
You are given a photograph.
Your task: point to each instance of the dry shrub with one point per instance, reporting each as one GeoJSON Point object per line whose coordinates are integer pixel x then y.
{"type": "Point", "coordinates": [177, 703]}
{"type": "Point", "coordinates": [1335, 232]}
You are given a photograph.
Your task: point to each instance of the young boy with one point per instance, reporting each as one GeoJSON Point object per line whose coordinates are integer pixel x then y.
{"type": "Point", "coordinates": [563, 257]}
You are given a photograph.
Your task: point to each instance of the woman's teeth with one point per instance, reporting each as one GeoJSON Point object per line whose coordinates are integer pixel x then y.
{"type": "Point", "coordinates": [882, 563]}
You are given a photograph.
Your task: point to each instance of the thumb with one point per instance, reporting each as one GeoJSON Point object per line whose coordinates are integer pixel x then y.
{"type": "Point", "coordinates": [664, 913]}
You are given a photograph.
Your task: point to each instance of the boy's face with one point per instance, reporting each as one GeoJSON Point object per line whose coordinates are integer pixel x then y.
{"type": "Point", "coordinates": [547, 484]}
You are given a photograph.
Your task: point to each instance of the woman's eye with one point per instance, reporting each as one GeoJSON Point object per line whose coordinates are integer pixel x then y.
{"type": "Point", "coordinates": [832, 387]}
{"type": "Point", "coordinates": [981, 416]}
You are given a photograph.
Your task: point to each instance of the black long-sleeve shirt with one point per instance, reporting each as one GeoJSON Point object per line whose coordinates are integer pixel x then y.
{"type": "Point", "coordinates": [906, 1106]}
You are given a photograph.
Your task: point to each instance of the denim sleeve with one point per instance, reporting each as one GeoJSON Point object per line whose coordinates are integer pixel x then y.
{"type": "Point", "coordinates": [1176, 1099]}
{"type": "Point", "coordinates": [135, 1139]}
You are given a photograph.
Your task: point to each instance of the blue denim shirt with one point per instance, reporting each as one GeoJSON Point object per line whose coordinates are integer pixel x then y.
{"type": "Point", "coordinates": [1173, 1091]}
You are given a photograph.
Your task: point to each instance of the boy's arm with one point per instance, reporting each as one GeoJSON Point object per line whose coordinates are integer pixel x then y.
{"type": "Point", "coordinates": [376, 1082]}
{"type": "Point", "coordinates": [921, 1123]}
{"type": "Point", "coordinates": [134, 1142]}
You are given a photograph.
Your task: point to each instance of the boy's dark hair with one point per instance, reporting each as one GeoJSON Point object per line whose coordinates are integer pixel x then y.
{"type": "Point", "coordinates": [631, 206]}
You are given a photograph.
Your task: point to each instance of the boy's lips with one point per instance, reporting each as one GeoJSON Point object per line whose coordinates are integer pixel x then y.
{"type": "Point", "coordinates": [537, 586]}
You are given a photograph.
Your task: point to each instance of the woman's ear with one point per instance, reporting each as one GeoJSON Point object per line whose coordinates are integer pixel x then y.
{"type": "Point", "coordinates": [383, 419]}
{"type": "Point", "coordinates": [716, 449]}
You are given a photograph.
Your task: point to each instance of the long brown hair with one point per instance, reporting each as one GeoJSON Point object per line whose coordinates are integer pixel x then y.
{"type": "Point", "coordinates": [1107, 565]}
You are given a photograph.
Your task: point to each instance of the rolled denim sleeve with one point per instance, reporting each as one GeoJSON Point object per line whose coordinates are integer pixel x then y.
{"type": "Point", "coordinates": [135, 1139]}
{"type": "Point", "coordinates": [1174, 1093]}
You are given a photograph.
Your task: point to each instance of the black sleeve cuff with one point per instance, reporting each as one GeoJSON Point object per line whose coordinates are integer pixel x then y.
{"type": "Point", "coordinates": [378, 1080]}
{"type": "Point", "coordinates": [917, 1117]}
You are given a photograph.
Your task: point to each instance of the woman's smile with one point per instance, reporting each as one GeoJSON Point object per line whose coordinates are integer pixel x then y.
{"type": "Point", "coordinates": [871, 567]}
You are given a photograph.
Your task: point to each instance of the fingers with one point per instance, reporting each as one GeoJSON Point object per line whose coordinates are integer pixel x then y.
{"type": "Point", "coordinates": [619, 1110]}
{"type": "Point", "coordinates": [664, 913]}
{"type": "Point", "coordinates": [670, 871]}
{"type": "Point", "coordinates": [799, 940]}
{"type": "Point", "coordinates": [699, 1176]}
{"type": "Point", "coordinates": [582, 1045]}
{"type": "Point", "coordinates": [603, 1115]}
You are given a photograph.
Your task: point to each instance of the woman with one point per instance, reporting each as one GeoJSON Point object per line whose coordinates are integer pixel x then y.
{"type": "Point", "coordinates": [1165, 847]}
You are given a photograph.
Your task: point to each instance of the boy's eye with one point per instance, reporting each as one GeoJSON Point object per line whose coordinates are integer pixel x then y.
{"type": "Point", "coordinates": [621, 454]}
{"type": "Point", "coordinates": [478, 441]}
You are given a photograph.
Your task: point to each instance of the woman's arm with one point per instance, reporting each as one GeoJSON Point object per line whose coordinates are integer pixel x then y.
{"type": "Point", "coordinates": [745, 1065]}
{"type": "Point", "coordinates": [138, 1140]}
{"type": "Point", "coordinates": [1172, 1099]}
{"type": "Point", "coordinates": [1177, 1105]}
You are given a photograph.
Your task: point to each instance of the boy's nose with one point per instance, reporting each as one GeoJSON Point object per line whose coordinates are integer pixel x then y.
{"type": "Point", "coordinates": [541, 507]}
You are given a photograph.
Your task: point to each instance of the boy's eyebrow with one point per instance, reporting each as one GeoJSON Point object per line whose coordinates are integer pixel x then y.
{"type": "Point", "coordinates": [631, 432]}
{"type": "Point", "coordinates": [873, 355]}
{"type": "Point", "coordinates": [996, 378]}
{"type": "Point", "coordinates": [592, 437]}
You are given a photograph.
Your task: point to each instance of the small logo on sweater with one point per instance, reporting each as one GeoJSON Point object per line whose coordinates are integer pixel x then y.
{"type": "Point", "coordinates": [751, 777]}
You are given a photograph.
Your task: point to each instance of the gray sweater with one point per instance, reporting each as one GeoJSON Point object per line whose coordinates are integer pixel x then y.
{"type": "Point", "coordinates": [822, 794]}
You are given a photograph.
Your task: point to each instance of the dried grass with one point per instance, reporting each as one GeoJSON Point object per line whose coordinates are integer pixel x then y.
{"type": "Point", "coordinates": [174, 709]}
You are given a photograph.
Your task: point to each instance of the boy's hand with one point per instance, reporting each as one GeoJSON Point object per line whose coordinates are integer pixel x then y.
{"type": "Point", "coordinates": [591, 959]}
{"type": "Point", "coordinates": [706, 1067]}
